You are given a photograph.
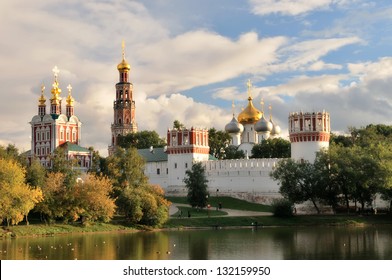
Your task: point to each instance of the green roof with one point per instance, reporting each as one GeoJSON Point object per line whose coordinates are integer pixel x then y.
{"type": "Point", "coordinates": [71, 147]}
{"type": "Point", "coordinates": [157, 154]}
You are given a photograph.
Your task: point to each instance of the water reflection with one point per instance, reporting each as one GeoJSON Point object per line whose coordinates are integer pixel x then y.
{"type": "Point", "coordinates": [266, 243]}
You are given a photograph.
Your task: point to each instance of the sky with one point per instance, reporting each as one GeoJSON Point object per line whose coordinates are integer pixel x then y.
{"type": "Point", "coordinates": [191, 59]}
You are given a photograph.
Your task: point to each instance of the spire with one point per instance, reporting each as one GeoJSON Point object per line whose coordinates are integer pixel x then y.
{"type": "Point", "coordinates": [55, 101]}
{"type": "Point", "coordinates": [42, 102]}
{"type": "Point", "coordinates": [270, 109]}
{"type": "Point", "coordinates": [123, 66]}
{"type": "Point", "coordinates": [262, 105]}
{"type": "Point", "coordinates": [249, 85]}
{"type": "Point", "coordinates": [70, 99]}
{"type": "Point", "coordinates": [233, 108]}
{"type": "Point", "coordinates": [70, 102]}
{"type": "Point", "coordinates": [42, 99]}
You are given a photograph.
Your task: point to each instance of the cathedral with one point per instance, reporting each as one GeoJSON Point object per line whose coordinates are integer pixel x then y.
{"type": "Point", "coordinates": [251, 127]}
{"type": "Point", "coordinates": [53, 129]}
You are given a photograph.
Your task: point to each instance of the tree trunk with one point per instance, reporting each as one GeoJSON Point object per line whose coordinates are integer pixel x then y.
{"type": "Point", "coordinates": [315, 205]}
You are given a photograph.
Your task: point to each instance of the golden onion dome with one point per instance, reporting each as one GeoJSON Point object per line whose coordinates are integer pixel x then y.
{"type": "Point", "coordinates": [123, 65]}
{"type": "Point", "coordinates": [42, 99]}
{"type": "Point", "coordinates": [69, 100]}
{"type": "Point", "coordinates": [250, 115]}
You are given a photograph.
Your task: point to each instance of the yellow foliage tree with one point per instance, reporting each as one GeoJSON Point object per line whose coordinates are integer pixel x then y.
{"type": "Point", "coordinates": [16, 197]}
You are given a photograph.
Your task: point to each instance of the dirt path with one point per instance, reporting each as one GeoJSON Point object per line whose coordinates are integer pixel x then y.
{"type": "Point", "coordinates": [230, 212]}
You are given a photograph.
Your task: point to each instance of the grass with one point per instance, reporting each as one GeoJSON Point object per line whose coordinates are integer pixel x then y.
{"type": "Point", "coordinates": [53, 229]}
{"type": "Point", "coordinates": [227, 202]}
{"type": "Point", "coordinates": [305, 220]}
{"type": "Point", "coordinates": [198, 213]}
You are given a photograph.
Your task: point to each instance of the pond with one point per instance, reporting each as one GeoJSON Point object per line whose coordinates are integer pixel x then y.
{"type": "Point", "coordinates": [303, 243]}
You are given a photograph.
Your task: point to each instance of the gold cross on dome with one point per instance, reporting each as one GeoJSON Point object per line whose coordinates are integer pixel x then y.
{"type": "Point", "coordinates": [42, 88]}
{"type": "Point", "coordinates": [262, 104]}
{"type": "Point", "coordinates": [69, 87]}
{"type": "Point", "coordinates": [123, 49]}
{"type": "Point", "coordinates": [56, 72]}
{"type": "Point", "coordinates": [233, 107]}
{"type": "Point", "coordinates": [249, 85]}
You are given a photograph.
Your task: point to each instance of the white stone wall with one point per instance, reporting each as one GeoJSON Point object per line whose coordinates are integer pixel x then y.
{"type": "Point", "coordinates": [307, 150]}
{"type": "Point", "coordinates": [246, 179]}
{"type": "Point", "coordinates": [241, 175]}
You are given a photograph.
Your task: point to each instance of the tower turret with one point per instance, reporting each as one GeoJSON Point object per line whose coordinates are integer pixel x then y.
{"type": "Point", "coordinates": [309, 133]}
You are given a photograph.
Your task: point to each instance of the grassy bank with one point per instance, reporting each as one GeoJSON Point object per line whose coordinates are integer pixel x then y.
{"type": "Point", "coordinates": [306, 220]}
{"type": "Point", "coordinates": [227, 202]}
{"type": "Point", "coordinates": [54, 229]}
{"type": "Point", "coordinates": [200, 219]}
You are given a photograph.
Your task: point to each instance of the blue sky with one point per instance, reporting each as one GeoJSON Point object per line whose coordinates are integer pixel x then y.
{"type": "Point", "coordinates": [191, 59]}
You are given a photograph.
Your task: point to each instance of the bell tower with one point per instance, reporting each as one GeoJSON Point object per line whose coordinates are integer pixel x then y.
{"type": "Point", "coordinates": [124, 106]}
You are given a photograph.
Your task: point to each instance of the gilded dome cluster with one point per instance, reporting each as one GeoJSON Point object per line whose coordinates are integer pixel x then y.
{"type": "Point", "coordinates": [252, 116]}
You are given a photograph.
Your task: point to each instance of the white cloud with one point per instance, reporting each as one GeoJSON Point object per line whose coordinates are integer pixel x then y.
{"type": "Point", "coordinates": [201, 57]}
{"type": "Point", "coordinates": [293, 7]}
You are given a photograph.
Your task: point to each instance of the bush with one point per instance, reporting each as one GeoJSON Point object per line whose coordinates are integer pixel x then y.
{"type": "Point", "coordinates": [282, 208]}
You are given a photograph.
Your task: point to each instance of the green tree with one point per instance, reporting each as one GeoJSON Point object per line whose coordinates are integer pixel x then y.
{"type": "Point", "coordinates": [299, 181]}
{"type": "Point", "coordinates": [178, 125]}
{"type": "Point", "coordinates": [61, 163]}
{"type": "Point", "coordinates": [272, 148]}
{"type": "Point", "coordinates": [232, 152]}
{"type": "Point", "coordinates": [196, 183]}
{"type": "Point", "coordinates": [36, 173]}
{"type": "Point", "coordinates": [16, 197]}
{"type": "Point", "coordinates": [126, 169]}
{"type": "Point", "coordinates": [144, 205]}
{"type": "Point", "coordinates": [141, 140]}
{"type": "Point", "coordinates": [140, 202]}
{"type": "Point", "coordinates": [218, 141]}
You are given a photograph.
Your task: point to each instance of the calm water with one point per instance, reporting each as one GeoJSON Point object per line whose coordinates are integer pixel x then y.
{"type": "Point", "coordinates": [267, 243]}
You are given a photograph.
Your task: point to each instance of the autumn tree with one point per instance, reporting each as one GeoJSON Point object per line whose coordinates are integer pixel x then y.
{"type": "Point", "coordinates": [196, 183]}
{"type": "Point", "coordinates": [86, 200]}
{"type": "Point", "coordinates": [92, 199]}
{"type": "Point", "coordinates": [16, 197]}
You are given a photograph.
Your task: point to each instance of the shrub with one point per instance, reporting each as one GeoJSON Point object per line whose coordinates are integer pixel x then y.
{"type": "Point", "coordinates": [282, 208]}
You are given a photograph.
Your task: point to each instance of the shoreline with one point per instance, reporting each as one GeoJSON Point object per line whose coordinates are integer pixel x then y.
{"type": "Point", "coordinates": [178, 224]}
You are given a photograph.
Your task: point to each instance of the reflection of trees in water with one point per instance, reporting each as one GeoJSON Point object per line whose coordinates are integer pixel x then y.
{"type": "Point", "coordinates": [198, 246]}
{"type": "Point", "coordinates": [335, 243]}
{"type": "Point", "coordinates": [265, 243]}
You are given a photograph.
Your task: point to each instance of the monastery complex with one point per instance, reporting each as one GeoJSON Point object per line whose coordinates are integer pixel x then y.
{"type": "Point", "coordinates": [246, 178]}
